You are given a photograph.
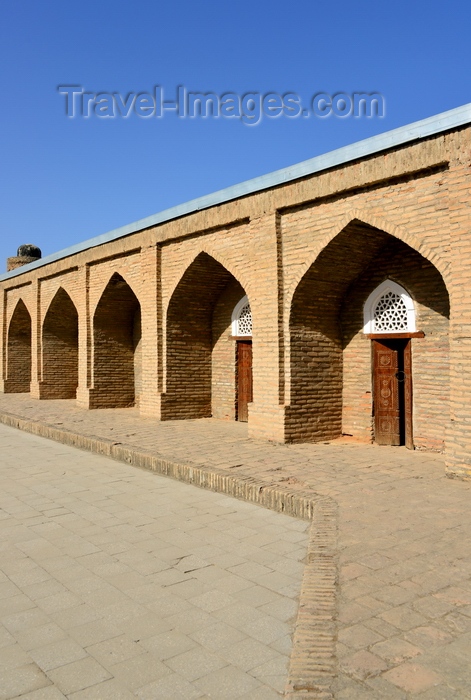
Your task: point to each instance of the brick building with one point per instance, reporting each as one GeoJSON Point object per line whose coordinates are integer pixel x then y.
{"type": "Point", "coordinates": [329, 298]}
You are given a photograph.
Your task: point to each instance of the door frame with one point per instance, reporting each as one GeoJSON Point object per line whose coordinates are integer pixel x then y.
{"type": "Point", "coordinates": [404, 391]}
{"type": "Point", "coordinates": [243, 340]}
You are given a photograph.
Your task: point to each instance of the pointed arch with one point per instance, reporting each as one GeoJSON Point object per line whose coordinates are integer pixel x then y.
{"type": "Point", "coordinates": [200, 352]}
{"type": "Point", "coordinates": [358, 219]}
{"type": "Point", "coordinates": [330, 356]}
{"type": "Point", "coordinates": [404, 317]}
{"type": "Point", "coordinates": [60, 348]}
{"type": "Point", "coordinates": [235, 271]}
{"type": "Point", "coordinates": [103, 286]}
{"type": "Point", "coordinates": [415, 242]}
{"type": "Point", "coordinates": [242, 318]}
{"type": "Point", "coordinates": [19, 350]}
{"type": "Point", "coordinates": [117, 366]}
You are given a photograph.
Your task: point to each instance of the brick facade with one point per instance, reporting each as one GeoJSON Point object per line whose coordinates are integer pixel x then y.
{"type": "Point", "coordinates": [18, 374]}
{"type": "Point", "coordinates": [60, 349]}
{"type": "Point", "coordinates": [146, 318]}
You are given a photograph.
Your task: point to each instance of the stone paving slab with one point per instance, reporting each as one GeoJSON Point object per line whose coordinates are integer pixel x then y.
{"type": "Point", "coordinates": [116, 583]}
{"type": "Point", "coordinates": [401, 615]}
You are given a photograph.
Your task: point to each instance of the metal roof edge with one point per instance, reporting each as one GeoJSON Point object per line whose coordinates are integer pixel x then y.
{"type": "Point", "coordinates": [424, 128]}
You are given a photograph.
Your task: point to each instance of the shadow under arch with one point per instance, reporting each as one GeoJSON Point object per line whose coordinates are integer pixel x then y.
{"type": "Point", "coordinates": [117, 358]}
{"type": "Point", "coordinates": [364, 218]}
{"type": "Point", "coordinates": [187, 262]}
{"type": "Point", "coordinates": [330, 356]}
{"type": "Point", "coordinates": [60, 348]}
{"type": "Point", "coordinates": [18, 364]}
{"type": "Point", "coordinates": [200, 363]}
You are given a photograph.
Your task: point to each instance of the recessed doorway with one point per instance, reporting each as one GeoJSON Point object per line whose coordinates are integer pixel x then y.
{"type": "Point", "coordinates": [392, 392]}
{"type": "Point", "coordinates": [244, 379]}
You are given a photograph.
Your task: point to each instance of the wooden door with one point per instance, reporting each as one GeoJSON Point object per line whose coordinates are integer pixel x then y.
{"type": "Point", "coordinates": [244, 378]}
{"type": "Point", "coordinates": [408, 395]}
{"type": "Point", "coordinates": [392, 387]}
{"type": "Point", "coordinates": [386, 394]}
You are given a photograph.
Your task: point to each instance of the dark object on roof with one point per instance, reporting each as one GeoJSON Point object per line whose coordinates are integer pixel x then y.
{"type": "Point", "coordinates": [29, 251]}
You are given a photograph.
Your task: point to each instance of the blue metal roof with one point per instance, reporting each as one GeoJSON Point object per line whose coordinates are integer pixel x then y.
{"type": "Point", "coordinates": [445, 121]}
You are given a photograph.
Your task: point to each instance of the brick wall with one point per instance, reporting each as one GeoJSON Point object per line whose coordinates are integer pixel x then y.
{"type": "Point", "coordinates": [331, 370]}
{"type": "Point", "coordinates": [189, 339]}
{"type": "Point", "coordinates": [18, 261]}
{"type": "Point", "coordinates": [430, 355]}
{"type": "Point", "coordinates": [18, 358]}
{"type": "Point", "coordinates": [224, 376]}
{"type": "Point", "coordinates": [60, 349]}
{"type": "Point", "coordinates": [306, 253]}
{"type": "Point", "coordinates": [116, 332]}
{"type": "Point", "coordinates": [315, 412]}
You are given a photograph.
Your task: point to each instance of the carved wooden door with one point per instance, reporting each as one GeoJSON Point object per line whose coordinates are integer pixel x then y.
{"type": "Point", "coordinates": [244, 378]}
{"type": "Point", "coordinates": [386, 394]}
{"type": "Point", "coordinates": [408, 395]}
{"type": "Point", "coordinates": [392, 386]}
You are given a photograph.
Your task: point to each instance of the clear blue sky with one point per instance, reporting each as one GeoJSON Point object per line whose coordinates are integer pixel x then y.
{"type": "Point", "coordinates": [65, 180]}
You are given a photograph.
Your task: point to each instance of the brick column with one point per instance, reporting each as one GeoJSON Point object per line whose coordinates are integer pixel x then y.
{"type": "Point", "coordinates": [266, 412]}
{"type": "Point", "coordinates": [84, 339]}
{"type": "Point", "coordinates": [36, 341]}
{"type": "Point", "coordinates": [458, 440]}
{"type": "Point", "coordinates": [3, 342]}
{"type": "Point", "coordinates": [18, 261]}
{"type": "Point", "coordinates": [151, 330]}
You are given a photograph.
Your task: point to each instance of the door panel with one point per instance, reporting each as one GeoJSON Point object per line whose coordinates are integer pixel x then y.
{"type": "Point", "coordinates": [386, 394]}
{"type": "Point", "coordinates": [408, 395]}
{"type": "Point", "coordinates": [244, 379]}
{"type": "Point", "coordinates": [392, 387]}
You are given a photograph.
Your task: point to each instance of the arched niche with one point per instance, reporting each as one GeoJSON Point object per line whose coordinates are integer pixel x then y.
{"type": "Point", "coordinates": [117, 358]}
{"type": "Point", "coordinates": [60, 348]}
{"type": "Point", "coordinates": [200, 368]}
{"type": "Point", "coordinates": [18, 358]}
{"type": "Point", "coordinates": [331, 355]}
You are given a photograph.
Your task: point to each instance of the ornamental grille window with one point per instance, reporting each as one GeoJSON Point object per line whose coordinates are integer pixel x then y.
{"type": "Point", "coordinates": [390, 313]}
{"type": "Point", "coordinates": [244, 322]}
{"type": "Point", "coordinates": [389, 309]}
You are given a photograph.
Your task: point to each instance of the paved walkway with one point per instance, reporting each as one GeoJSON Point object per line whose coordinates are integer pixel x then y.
{"type": "Point", "coordinates": [404, 600]}
{"type": "Point", "coordinates": [118, 584]}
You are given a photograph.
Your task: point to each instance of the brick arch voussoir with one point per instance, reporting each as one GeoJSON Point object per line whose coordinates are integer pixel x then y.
{"type": "Point", "coordinates": [398, 232]}
{"type": "Point", "coordinates": [403, 235]}
{"type": "Point", "coordinates": [104, 287]}
{"type": "Point", "coordinates": [238, 275]}
{"type": "Point", "coordinates": [26, 305]}
{"type": "Point", "coordinates": [53, 298]}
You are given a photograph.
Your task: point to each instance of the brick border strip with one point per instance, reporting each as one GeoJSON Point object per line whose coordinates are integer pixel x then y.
{"type": "Point", "coordinates": [313, 662]}
{"type": "Point", "coordinates": [300, 504]}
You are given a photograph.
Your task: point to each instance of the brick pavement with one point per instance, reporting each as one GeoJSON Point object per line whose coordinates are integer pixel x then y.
{"type": "Point", "coordinates": [403, 609]}
{"type": "Point", "coordinates": [118, 584]}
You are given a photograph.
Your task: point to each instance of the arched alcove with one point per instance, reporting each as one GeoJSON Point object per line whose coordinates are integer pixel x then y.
{"type": "Point", "coordinates": [201, 353]}
{"type": "Point", "coordinates": [117, 365]}
{"type": "Point", "coordinates": [19, 351]}
{"type": "Point", "coordinates": [242, 329]}
{"type": "Point", "coordinates": [60, 348]}
{"type": "Point", "coordinates": [331, 355]}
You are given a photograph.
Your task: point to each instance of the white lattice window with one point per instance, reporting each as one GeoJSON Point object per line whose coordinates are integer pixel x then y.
{"type": "Point", "coordinates": [390, 313]}
{"type": "Point", "coordinates": [242, 318]}
{"type": "Point", "coordinates": [389, 309]}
